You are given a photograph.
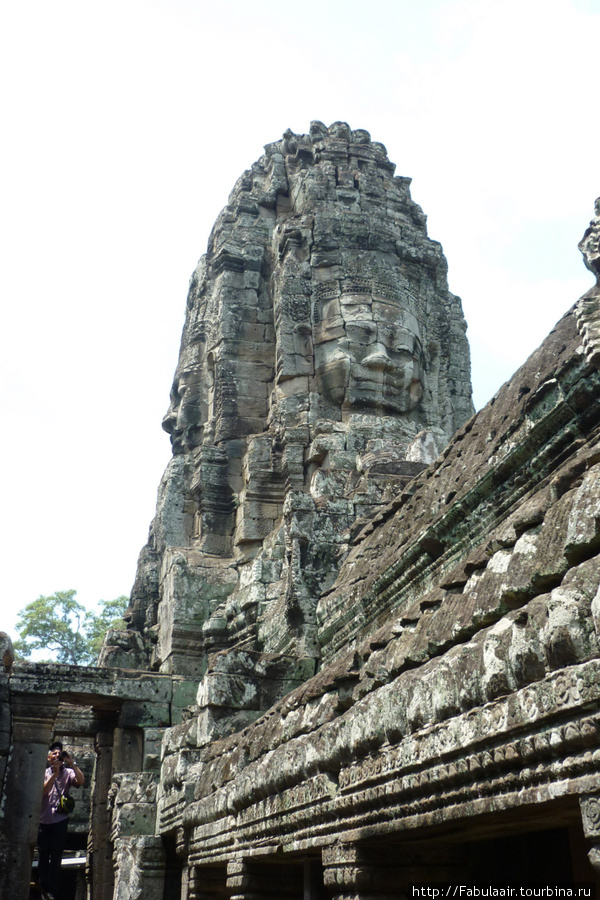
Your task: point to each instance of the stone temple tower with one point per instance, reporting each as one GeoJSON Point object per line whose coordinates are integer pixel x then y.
{"type": "Point", "coordinates": [323, 362]}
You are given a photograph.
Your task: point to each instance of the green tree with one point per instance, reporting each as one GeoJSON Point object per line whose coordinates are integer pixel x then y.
{"type": "Point", "coordinates": [110, 616]}
{"type": "Point", "coordinates": [61, 626]}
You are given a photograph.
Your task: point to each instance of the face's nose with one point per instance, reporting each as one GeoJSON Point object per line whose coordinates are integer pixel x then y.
{"type": "Point", "coordinates": [377, 357]}
{"type": "Point", "coordinates": [169, 420]}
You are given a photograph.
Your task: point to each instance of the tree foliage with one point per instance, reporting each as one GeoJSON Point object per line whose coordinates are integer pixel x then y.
{"type": "Point", "coordinates": [110, 616]}
{"type": "Point", "coordinates": [59, 625]}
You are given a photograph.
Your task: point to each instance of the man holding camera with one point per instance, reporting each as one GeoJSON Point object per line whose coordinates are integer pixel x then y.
{"type": "Point", "coordinates": [62, 773]}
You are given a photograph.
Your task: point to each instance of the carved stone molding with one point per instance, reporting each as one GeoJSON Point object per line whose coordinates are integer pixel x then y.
{"type": "Point", "coordinates": [590, 816]}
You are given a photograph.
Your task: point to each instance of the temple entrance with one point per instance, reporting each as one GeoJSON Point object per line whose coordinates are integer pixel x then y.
{"type": "Point", "coordinates": [550, 856]}
{"type": "Point", "coordinates": [496, 849]}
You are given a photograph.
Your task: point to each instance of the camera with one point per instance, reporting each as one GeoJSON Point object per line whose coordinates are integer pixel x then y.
{"type": "Point", "coordinates": [64, 755]}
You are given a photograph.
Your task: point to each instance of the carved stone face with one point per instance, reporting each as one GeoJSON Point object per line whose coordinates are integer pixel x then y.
{"type": "Point", "coordinates": [187, 413]}
{"type": "Point", "coordinates": [368, 355]}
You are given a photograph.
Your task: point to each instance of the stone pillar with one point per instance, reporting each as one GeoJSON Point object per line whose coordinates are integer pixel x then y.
{"type": "Point", "coordinates": [100, 864]}
{"type": "Point", "coordinates": [346, 873]}
{"type": "Point", "coordinates": [188, 883]}
{"type": "Point", "coordinates": [128, 750]}
{"type": "Point", "coordinates": [5, 725]}
{"type": "Point", "coordinates": [126, 863]}
{"type": "Point", "coordinates": [590, 815]}
{"type": "Point", "coordinates": [140, 867]}
{"type": "Point", "coordinates": [203, 883]}
{"type": "Point", "coordinates": [238, 879]}
{"type": "Point", "coordinates": [32, 723]}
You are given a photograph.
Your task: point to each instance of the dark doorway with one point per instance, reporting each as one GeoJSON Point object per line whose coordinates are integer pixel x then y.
{"type": "Point", "coordinates": [540, 856]}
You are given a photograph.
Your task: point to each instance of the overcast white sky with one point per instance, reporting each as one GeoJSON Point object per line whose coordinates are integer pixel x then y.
{"type": "Point", "coordinates": [125, 125]}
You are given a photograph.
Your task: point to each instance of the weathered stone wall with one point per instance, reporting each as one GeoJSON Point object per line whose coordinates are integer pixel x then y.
{"type": "Point", "coordinates": [461, 648]}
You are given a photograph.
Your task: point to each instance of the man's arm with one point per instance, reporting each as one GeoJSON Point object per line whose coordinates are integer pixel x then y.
{"type": "Point", "coordinates": [49, 781]}
{"type": "Point", "coordinates": [71, 764]}
{"type": "Point", "coordinates": [50, 775]}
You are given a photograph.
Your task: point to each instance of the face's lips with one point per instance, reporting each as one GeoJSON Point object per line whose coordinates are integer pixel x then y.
{"type": "Point", "coordinates": [383, 384]}
{"type": "Point", "coordinates": [177, 442]}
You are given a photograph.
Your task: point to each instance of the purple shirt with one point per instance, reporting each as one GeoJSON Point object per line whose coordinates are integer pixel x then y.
{"type": "Point", "coordinates": [62, 785]}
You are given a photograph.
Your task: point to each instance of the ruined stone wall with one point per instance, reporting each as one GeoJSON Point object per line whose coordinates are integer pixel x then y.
{"type": "Point", "coordinates": [397, 650]}
{"type": "Point", "coordinates": [461, 676]}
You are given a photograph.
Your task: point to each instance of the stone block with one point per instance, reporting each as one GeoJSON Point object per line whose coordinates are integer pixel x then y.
{"type": "Point", "coordinates": [228, 690]}
{"type": "Point", "coordinates": [153, 738]}
{"type": "Point", "coordinates": [293, 385]}
{"type": "Point", "coordinates": [583, 527]}
{"type": "Point", "coordinates": [144, 714]}
{"type": "Point", "coordinates": [253, 529]}
{"type": "Point", "coordinates": [136, 787]}
{"type": "Point", "coordinates": [5, 726]}
{"type": "Point", "coordinates": [184, 692]}
{"type": "Point", "coordinates": [133, 819]}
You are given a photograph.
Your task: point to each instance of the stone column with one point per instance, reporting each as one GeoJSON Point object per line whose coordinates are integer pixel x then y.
{"type": "Point", "coordinates": [128, 753]}
{"type": "Point", "coordinates": [33, 719]}
{"type": "Point", "coordinates": [100, 863]}
{"type": "Point", "coordinates": [202, 883]}
{"type": "Point", "coordinates": [590, 815]}
{"type": "Point", "coordinates": [125, 862]}
{"type": "Point", "coordinates": [140, 867]}
{"type": "Point", "coordinates": [188, 886]}
{"type": "Point", "coordinates": [238, 879]}
{"type": "Point", "coordinates": [346, 873]}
